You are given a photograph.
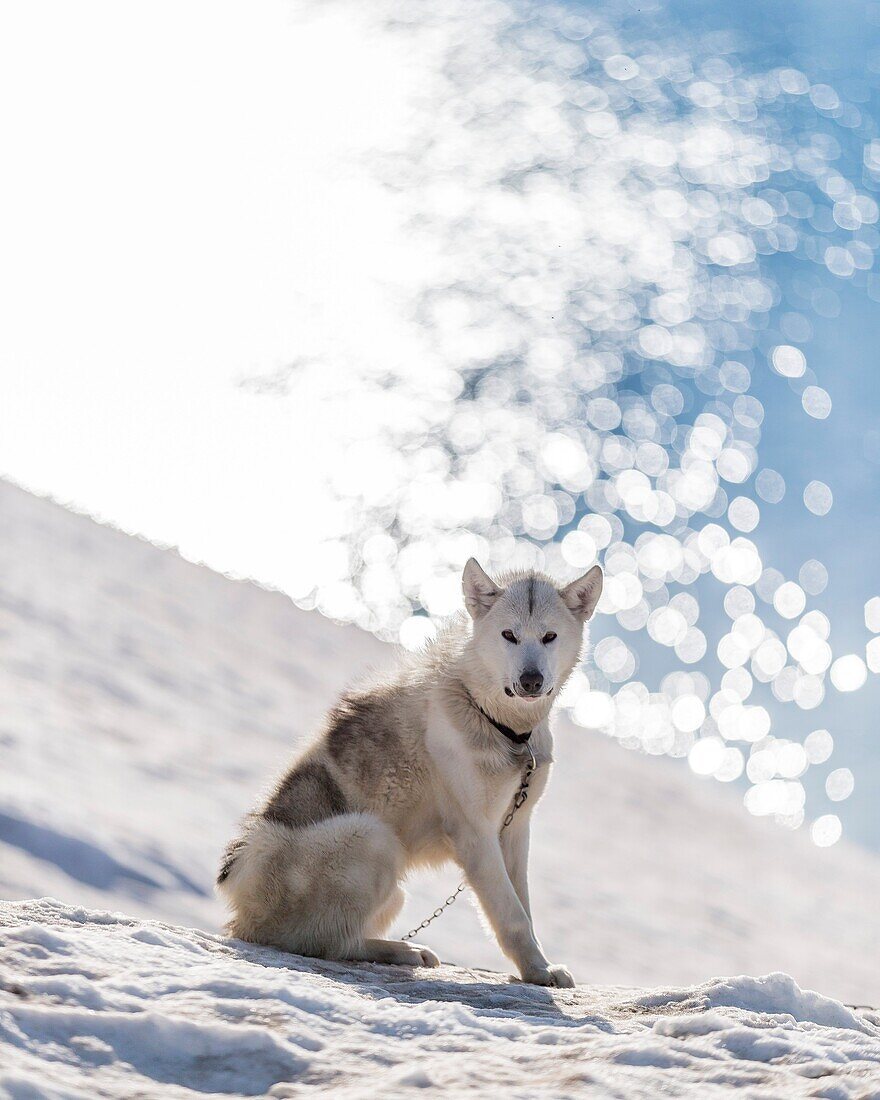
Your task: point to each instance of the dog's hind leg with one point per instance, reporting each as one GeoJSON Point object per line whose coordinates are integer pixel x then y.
{"type": "Point", "coordinates": [384, 917]}
{"type": "Point", "coordinates": [323, 890]}
{"type": "Point", "coordinates": [395, 953]}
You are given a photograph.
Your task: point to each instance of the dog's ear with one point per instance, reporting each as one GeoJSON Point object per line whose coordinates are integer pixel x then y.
{"type": "Point", "coordinates": [582, 595]}
{"type": "Point", "coordinates": [480, 591]}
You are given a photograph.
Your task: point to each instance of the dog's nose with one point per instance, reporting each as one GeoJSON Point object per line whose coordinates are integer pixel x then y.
{"type": "Point", "coordinates": [531, 681]}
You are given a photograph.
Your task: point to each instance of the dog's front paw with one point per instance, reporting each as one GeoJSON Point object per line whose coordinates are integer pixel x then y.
{"type": "Point", "coordinates": [557, 976]}
{"type": "Point", "coordinates": [561, 977]}
{"type": "Point", "coordinates": [426, 956]}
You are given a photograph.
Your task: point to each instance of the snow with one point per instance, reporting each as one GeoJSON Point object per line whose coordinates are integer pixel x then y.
{"type": "Point", "coordinates": [94, 1005]}
{"type": "Point", "coordinates": [147, 700]}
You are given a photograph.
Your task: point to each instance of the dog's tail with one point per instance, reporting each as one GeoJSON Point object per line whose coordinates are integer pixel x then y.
{"type": "Point", "coordinates": [233, 850]}
{"type": "Point", "coordinates": [230, 854]}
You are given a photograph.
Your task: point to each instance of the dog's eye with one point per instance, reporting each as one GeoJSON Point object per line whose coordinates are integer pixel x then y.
{"type": "Point", "coordinates": [509, 636]}
{"type": "Point", "coordinates": [549, 637]}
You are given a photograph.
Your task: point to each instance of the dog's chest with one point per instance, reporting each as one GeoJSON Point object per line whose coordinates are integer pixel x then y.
{"type": "Point", "coordinates": [503, 785]}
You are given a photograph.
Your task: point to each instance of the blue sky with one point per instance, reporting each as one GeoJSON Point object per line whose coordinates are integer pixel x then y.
{"type": "Point", "coordinates": [839, 43]}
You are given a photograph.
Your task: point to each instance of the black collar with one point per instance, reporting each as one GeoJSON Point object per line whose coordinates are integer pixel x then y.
{"type": "Point", "coordinates": [511, 735]}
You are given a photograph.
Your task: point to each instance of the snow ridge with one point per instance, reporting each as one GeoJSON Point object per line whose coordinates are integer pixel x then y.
{"type": "Point", "coordinates": [96, 1004]}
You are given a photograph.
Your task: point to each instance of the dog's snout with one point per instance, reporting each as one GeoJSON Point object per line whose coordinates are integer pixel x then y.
{"type": "Point", "coordinates": [531, 681]}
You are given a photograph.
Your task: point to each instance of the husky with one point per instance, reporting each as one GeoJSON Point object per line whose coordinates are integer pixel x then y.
{"type": "Point", "coordinates": [416, 770]}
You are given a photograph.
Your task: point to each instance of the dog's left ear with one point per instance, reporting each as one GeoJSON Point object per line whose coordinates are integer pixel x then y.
{"type": "Point", "coordinates": [480, 591]}
{"type": "Point", "coordinates": [582, 595]}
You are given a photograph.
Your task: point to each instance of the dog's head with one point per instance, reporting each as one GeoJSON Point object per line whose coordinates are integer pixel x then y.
{"type": "Point", "coordinates": [528, 632]}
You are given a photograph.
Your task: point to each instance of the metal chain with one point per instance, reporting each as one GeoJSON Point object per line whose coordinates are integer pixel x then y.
{"type": "Point", "coordinates": [518, 799]}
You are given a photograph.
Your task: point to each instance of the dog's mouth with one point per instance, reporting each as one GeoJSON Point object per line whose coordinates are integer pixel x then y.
{"type": "Point", "coordinates": [518, 693]}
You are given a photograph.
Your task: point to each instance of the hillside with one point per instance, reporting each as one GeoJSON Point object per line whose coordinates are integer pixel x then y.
{"type": "Point", "coordinates": [146, 700]}
{"type": "Point", "coordinates": [96, 1005]}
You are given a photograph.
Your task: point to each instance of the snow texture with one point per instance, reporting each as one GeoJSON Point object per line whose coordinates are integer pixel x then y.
{"type": "Point", "coordinates": [94, 1004]}
{"type": "Point", "coordinates": [147, 700]}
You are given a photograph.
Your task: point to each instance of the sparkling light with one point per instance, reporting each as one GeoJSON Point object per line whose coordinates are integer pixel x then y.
{"type": "Point", "coordinates": [839, 784]}
{"type": "Point", "coordinates": [706, 756]}
{"type": "Point", "coordinates": [770, 486]}
{"type": "Point", "coordinates": [579, 549]}
{"type": "Point", "coordinates": [826, 830]}
{"type": "Point", "coordinates": [789, 600]}
{"type": "Point", "coordinates": [813, 577]}
{"type": "Point", "coordinates": [688, 713]}
{"type": "Point", "coordinates": [570, 275]}
{"type": "Point", "coordinates": [594, 710]}
{"type": "Point", "coordinates": [577, 383]}
{"type": "Point", "coordinates": [789, 361]}
{"type": "Point", "coordinates": [739, 601]}
{"type": "Point", "coordinates": [849, 673]}
{"type": "Point", "coordinates": [819, 746]}
{"type": "Point", "coordinates": [818, 498]}
{"type": "Point", "coordinates": [816, 402]}
{"type": "Point", "coordinates": [743, 514]}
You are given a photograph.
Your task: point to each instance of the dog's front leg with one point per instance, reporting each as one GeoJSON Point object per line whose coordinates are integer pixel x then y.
{"type": "Point", "coordinates": [515, 840]}
{"type": "Point", "coordinates": [480, 855]}
{"type": "Point", "coordinates": [515, 849]}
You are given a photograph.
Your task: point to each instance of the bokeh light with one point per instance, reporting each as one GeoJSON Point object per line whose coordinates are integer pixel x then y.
{"type": "Point", "coordinates": [849, 673]}
{"type": "Point", "coordinates": [826, 830]}
{"type": "Point", "coordinates": [818, 498]}
{"type": "Point", "coordinates": [839, 784]}
{"type": "Point", "coordinates": [607, 212]}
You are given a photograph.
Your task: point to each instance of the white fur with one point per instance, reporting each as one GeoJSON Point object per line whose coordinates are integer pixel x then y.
{"type": "Point", "coordinates": [408, 772]}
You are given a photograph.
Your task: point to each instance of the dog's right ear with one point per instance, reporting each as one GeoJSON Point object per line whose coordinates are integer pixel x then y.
{"type": "Point", "coordinates": [582, 595]}
{"type": "Point", "coordinates": [480, 591]}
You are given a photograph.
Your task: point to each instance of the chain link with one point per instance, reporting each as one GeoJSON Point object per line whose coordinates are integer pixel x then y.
{"type": "Point", "coordinates": [518, 800]}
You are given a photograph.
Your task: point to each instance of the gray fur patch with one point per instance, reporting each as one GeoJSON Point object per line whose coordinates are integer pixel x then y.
{"type": "Point", "coordinates": [532, 597]}
{"type": "Point", "coordinates": [361, 740]}
{"type": "Point", "coordinates": [306, 795]}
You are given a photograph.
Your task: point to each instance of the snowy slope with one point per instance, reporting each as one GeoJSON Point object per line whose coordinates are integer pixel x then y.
{"type": "Point", "coordinates": [146, 700]}
{"type": "Point", "coordinates": [94, 1005]}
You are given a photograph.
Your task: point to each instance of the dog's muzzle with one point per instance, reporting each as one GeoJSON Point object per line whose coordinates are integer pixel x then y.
{"type": "Point", "coordinates": [530, 685]}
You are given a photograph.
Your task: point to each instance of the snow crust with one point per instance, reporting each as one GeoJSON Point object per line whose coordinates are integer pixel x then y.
{"type": "Point", "coordinates": [95, 1005]}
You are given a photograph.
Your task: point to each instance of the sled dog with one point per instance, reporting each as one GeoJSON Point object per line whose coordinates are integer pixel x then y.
{"type": "Point", "coordinates": [414, 770]}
